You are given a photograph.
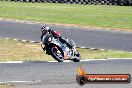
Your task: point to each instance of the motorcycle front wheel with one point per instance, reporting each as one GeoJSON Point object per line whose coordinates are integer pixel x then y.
{"type": "Point", "coordinates": [57, 54]}
{"type": "Point", "coordinates": [77, 57]}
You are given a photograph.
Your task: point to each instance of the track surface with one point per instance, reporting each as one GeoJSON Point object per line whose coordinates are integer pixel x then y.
{"type": "Point", "coordinates": [91, 38]}
{"type": "Point", "coordinates": [58, 75]}
{"type": "Point", "coordinates": [62, 75]}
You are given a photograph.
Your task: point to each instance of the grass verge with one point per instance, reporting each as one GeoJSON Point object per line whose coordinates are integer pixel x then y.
{"type": "Point", "coordinates": [6, 86]}
{"type": "Point", "coordinates": [84, 15]}
{"type": "Point", "coordinates": [11, 50]}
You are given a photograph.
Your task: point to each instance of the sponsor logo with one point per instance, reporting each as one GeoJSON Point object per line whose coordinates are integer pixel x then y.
{"type": "Point", "coordinates": [82, 78]}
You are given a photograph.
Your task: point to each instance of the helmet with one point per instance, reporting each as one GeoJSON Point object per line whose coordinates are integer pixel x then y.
{"type": "Point", "coordinates": [44, 28]}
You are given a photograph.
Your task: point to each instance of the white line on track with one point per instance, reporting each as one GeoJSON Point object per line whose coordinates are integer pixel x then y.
{"type": "Point", "coordinates": [118, 58]}
{"type": "Point", "coordinates": [63, 61]}
{"type": "Point", "coordinates": [94, 59]}
{"type": "Point", "coordinates": [13, 62]}
{"type": "Point", "coordinates": [17, 62]}
{"type": "Point", "coordinates": [80, 60]}
{"type": "Point", "coordinates": [16, 82]}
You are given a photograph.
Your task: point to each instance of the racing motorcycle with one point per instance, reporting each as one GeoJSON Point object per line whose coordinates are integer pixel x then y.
{"type": "Point", "coordinates": [58, 50]}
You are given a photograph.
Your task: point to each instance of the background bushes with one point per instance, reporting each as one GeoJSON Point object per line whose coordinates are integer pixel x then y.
{"type": "Point", "coordinates": [95, 2]}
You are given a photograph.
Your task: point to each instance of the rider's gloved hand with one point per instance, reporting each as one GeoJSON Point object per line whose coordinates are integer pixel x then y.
{"type": "Point", "coordinates": [43, 46]}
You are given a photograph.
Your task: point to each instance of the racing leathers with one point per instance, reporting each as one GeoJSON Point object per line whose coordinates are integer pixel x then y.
{"type": "Point", "coordinates": [58, 35]}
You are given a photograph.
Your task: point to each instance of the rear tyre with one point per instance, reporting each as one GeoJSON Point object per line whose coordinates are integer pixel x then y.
{"type": "Point", "coordinates": [57, 56]}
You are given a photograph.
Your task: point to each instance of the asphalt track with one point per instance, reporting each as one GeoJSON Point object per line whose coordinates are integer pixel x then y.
{"type": "Point", "coordinates": [58, 75]}
{"type": "Point", "coordinates": [83, 37]}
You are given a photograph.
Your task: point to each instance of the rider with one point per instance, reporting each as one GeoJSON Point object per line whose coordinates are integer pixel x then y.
{"type": "Point", "coordinates": [45, 29]}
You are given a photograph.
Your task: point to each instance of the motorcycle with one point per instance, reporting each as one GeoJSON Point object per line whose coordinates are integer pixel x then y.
{"type": "Point", "coordinates": [58, 50]}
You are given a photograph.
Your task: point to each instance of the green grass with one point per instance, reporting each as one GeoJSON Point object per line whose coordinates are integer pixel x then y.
{"type": "Point", "coordinates": [97, 54]}
{"type": "Point", "coordinates": [84, 15]}
{"type": "Point", "coordinates": [11, 50]}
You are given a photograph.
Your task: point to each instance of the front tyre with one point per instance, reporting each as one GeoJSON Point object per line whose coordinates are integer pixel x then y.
{"type": "Point", "coordinates": [77, 57]}
{"type": "Point", "coordinates": [57, 54]}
